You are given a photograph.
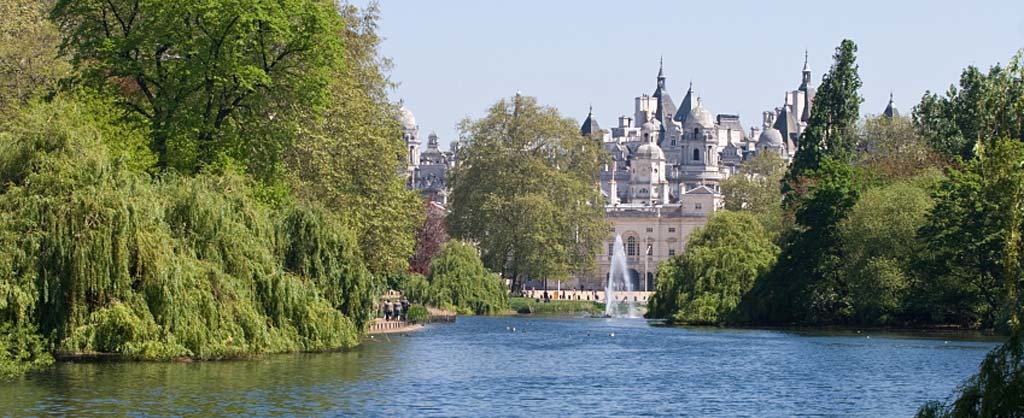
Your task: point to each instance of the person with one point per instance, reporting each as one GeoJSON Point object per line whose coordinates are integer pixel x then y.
{"type": "Point", "coordinates": [398, 311]}
{"type": "Point", "coordinates": [388, 309]}
{"type": "Point", "coordinates": [405, 307]}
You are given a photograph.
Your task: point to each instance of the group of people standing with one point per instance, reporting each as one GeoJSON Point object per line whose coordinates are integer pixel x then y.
{"type": "Point", "coordinates": [395, 311]}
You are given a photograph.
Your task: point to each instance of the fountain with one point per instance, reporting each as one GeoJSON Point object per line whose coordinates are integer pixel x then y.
{"type": "Point", "coordinates": [618, 281]}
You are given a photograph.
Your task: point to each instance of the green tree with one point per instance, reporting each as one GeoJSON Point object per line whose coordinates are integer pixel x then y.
{"type": "Point", "coordinates": [217, 80]}
{"type": "Point", "coordinates": [525, 191]}
{"type": "Point", "coordinates": [757, 190]}
{"type": "Point", "coordinates": [458, 278]}
{"type": "Point", "coordinates": [348, 156]}
{"type": "Point", "coordinates": [804, 286]}
{"type": "Point", "coordinates": [706, 283]}
{"type": "Point", "coordinates": [832, 128]}
{"type": "Point", "coordinates": [880, 247]}
{"type": "Point", "coordinates": [971, 271]}
{"type": "Point", "coordinates": [890, 149]}
{"type": "Point", "coordinates": [986, 106]}
{"type": "Point", "coordinates": [29, 63]}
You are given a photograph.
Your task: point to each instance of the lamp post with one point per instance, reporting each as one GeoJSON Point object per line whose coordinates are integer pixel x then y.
{"type": "Point", "coordinates": [647, 254]}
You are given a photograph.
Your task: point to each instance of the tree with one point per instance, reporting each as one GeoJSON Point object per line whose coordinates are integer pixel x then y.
{"type": "Point", "coordinates": [890, 149]}
{"type": "Point", "coordinates": [804, 285]}
{"type": "Point", "coordinates": [429, 238]}
{"type": "Point", "coordinates": [985, 107]}
{"type": "Point", "coordinates": [880, 247]}
{"type": "Point", "coordinates": [348, 155]}
{"type": "Point", "coordinates": [757, 190]}
{"type": "Point", "coordinates": [706, 283]}
{"type": "Point", "coordinates": [29, 63]}
{"type": "Point", "coordinates": [831, 130]}
{"type": "Point", "coordinates": [526, 191]}
{"type": "Point", "coordinates": [217, 80]}
{"type": "Point", "coordinates": [458, 278]}
{"type": "Point", "coordinates": [971, 271]}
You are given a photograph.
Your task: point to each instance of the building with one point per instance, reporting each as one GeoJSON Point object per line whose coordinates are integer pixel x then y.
{"type": "Point", "coordinates": [425, 170]}
{"type": "Point", "coordinates": [666, 166]}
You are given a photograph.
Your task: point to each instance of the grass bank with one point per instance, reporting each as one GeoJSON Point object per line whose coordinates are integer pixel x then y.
{"type": "Point", "coordinates": [556, 307]}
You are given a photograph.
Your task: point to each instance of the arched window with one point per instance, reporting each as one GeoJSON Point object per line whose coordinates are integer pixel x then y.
{"type": "Point", "coordinates": [631, 246]}
{"type": "Point", "coordinates": [696, 155]}
{"type": "Point", "coordinates": [696, 131]}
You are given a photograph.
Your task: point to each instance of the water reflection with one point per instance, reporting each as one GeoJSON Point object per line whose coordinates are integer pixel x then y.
{"type": "Point", "coordinates": [480, 367]}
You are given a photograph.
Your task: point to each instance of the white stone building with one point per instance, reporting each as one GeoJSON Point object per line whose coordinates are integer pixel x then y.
{"type": "Point", "coordinates": [425, 170]}
{"type": "Point", "coordinates": [666, 165]}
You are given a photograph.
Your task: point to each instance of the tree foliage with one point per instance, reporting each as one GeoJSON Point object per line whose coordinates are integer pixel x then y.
{"type": "Point", "coordinates": [347, 156]}
{"type": "Point", "coordinates": [965, 277]}
{"type": "Point", "coordinates": [804, 286]}
{"type": "Point", "coordinates": [429, 238]}
{"type": "Point", "coordinates": [890, 149]}
{"type": "Point", "coordinates": [705, 284]}
{"type": "Point", "coordinates": [525, 191]}
{"type": "Point", "coordinates": [832, 128]}
{"type": "Point", "coordinates": [215, 79]}
{"type": "Point", "coordinates": [29, 63]}
{"type": "Point", "coordinates": [757, 189]}
{"type": "Point", "coordinates": [96, 256]}
{"type": "Point", "coordinates": [880, 247]}
{"type": "Point", "coordinates": [986, 106]}
{"type": "Point", "coordinates": [458, 279]}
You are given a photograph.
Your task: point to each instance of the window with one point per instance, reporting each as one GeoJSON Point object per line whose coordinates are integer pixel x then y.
{"type": "Point", "coordinates": [631, 246]}
{"type": "Point", "coordinates": [695, 132]}
{"type": "Point", "coordinates": [650, 229]}
{"type": "Point", "coordinates": [650, 249]}
{"type": "Point", "coordinates": [698, 206]}
{"type": "Point", "coordinates": [696, 155]}
{"type": "Point", "coordinates": [611, 248]}
{"type": "Point", "coordinates": [671, 253]}
{"type": "Point", "coordinates": [671, 230]}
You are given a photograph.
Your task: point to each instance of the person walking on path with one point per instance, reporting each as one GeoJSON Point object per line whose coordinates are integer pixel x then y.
{"type": "Point", "coordinates": [405, 308]}
{"type": "Point", "coordinates": [388, 309]}
{"type": "Point", "coordinates": [398, 311]}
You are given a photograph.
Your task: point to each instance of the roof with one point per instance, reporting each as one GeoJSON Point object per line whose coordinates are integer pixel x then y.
{"type": "Point", "coordinates": [702, 189]}
{"type": "Point", "coordinates": [890, 109]}
{"type": "Point", "coordinates": [732, 122]}
{"type": "Point", "coordinates": [590, 125]}
{"type": "Point", "coordinates": [685, 107]}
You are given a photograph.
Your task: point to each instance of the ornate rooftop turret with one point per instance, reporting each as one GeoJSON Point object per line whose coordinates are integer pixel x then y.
{"type": "Point", "coordinates": [590, 125]}
{"type": "Point", "coordinates": [890, 109]}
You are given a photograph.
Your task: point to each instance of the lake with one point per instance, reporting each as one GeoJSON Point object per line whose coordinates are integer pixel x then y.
{"type": "Point", "coordinates": [546, 367]}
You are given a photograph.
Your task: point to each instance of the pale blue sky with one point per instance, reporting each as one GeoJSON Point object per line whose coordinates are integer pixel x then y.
{"type": "Point", "coordinates": [455, 58]}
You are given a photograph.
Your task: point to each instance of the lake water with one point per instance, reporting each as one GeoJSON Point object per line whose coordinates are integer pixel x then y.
{"type": "Point", "coordinates": [547, 367]}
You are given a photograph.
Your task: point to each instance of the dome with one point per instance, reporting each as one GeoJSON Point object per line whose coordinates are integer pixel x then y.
{"type": "Point", "coordinates": [699, 117]}
{"type": "Point", "coordinates": [406, 118]}
{"type": "Point", "coordinates": [649, 151]}
{"type": "Point", "coordinates": [648, 127]}
{"type": "Point", "coordinates": [770, 137]}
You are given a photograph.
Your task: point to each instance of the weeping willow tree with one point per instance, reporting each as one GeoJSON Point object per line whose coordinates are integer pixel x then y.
{"type": "Point", "coordinates": [98, 257]}
{"type": "Point", "coordinates": [458, 279]}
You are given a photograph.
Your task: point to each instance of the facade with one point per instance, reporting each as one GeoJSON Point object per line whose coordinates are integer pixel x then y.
{"type": "Point", "coordinates": [666, 166]}
{"type": "Point", "coordinates": [425, 170]}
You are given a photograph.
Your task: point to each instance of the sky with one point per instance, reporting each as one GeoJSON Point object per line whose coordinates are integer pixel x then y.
{"type": "Point", "coordinates": [453, 59]}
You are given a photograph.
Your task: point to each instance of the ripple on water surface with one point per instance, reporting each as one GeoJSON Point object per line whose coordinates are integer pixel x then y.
{"type": "Point", "coordinates": [546, 367]}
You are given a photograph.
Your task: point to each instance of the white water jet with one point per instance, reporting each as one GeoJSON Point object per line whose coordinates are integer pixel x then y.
{"type": "Point", "coordinates": [618, 281]}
